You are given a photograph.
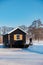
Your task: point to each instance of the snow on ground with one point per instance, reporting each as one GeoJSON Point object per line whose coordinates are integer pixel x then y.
{"type": "Point", "coordinates": [37, 42]}
{"type": "Point", "coordinates": [13, 56]}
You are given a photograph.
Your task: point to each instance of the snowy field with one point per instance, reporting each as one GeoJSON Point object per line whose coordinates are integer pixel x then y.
{"type": "Point", "coordinates": [33, 55]}
{"type": "Point", "coordinates": [40, 42]}
{"type": "Point", "coordinates": [16, 56]}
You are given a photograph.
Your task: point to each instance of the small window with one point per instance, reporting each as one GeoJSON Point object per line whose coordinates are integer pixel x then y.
{"type": "Point", "coordinates": [18, 37]}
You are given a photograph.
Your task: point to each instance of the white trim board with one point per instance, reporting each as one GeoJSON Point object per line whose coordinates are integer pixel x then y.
{"type": "Point", "coordinates": [15, 29]}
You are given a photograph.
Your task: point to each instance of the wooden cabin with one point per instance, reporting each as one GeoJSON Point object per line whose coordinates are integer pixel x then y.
{"type": "Point", "coordinates": [15, 38]}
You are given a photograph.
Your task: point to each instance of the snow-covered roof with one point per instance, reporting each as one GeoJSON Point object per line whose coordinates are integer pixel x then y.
{"type": "Point", "coordinates": [15, 29]}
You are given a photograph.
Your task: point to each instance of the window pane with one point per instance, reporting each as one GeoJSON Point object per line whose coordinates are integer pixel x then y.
{"type": "Point", "coordinates": [14, 37]}
{"type": "Point", "coordinates": [21, 37]}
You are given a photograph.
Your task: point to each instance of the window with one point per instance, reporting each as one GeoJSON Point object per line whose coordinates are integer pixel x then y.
{"type": "Point", "coordinates": [18, 37]}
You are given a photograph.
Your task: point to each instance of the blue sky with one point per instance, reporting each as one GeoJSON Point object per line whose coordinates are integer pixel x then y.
{"type": "Point", "coordinates": [20, 12]}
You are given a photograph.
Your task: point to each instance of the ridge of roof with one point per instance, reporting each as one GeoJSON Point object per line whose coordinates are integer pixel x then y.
{"type": "Point", "coordinates": [15, 29]}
